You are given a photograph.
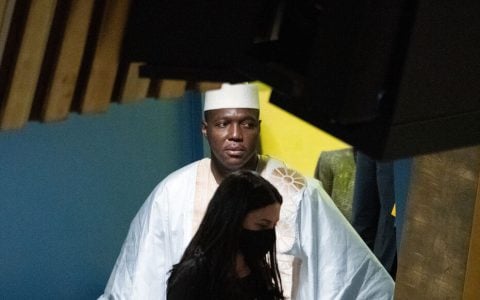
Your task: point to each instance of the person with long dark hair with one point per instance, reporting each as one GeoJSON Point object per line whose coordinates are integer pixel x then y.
{"type": "Point", "coordinates": [232, 255]}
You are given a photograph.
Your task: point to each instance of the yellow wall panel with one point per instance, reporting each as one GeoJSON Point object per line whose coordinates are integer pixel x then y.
{"type": "Point", "coordinates": [291, 139]}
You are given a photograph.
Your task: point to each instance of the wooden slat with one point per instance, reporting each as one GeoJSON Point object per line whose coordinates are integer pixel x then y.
{"type": "Point", "coordinates": [203, 86]}
{"type": "Point", "coordinates": [19, 98]}
{"type": "Point", "coordinates": [101, 80]}
{"type": "Point", "coordinates": [60, 94]}
{"type": "Point", "coordinates": [3, 8]}
{"type": "Point", "coordinates": [471, 289]}
{"type": "Point", "coordinates": [6, 12]}
{"type": "Point", "coordinates": [169, 88]}
{"type": "Point", "coordinates": [135, 87]}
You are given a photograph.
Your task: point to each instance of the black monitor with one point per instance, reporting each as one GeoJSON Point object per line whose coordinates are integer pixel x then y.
{"type": "Point", "coordinates": [392, 78]}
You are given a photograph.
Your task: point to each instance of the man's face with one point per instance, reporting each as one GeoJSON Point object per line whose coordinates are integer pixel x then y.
{"type": "Point", "coordinates": [233, 135]}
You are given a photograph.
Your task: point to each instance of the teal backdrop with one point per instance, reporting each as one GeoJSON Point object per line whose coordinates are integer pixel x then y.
{"type": "Point", "coordinates": [68, 191]}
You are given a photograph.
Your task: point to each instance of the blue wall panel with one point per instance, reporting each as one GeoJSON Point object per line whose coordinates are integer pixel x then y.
{"type": "Point", "coordinates": [69, 190]}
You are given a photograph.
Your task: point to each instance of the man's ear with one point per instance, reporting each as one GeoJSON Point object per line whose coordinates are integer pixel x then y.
{"type": "Point", "coordinates": [204, 128]}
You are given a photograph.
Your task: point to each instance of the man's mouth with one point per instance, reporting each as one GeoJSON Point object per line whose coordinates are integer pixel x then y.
{"type": "Point", "coordinates": [235, 151]}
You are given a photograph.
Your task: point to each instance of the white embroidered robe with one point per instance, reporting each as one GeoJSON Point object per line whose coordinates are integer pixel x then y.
{"type": "Point", "coordinates": [322, 256]}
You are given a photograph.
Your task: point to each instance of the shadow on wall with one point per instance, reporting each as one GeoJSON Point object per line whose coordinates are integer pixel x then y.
{"type": "Point", "coordinates": [69, 190]}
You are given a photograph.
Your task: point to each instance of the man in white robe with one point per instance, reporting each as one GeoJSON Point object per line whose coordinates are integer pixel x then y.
{"type": "Point", "coordinates": [321, 256]}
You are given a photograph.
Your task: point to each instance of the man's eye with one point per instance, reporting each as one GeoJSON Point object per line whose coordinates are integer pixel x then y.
{"type": "Point", "coordinates": [249, 124]}
{"type": "Point", "coordinates": [221, 124]}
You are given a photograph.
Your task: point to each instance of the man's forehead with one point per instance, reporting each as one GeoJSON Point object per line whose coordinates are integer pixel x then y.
{"type": "Point", "coordinates": [232, 113]}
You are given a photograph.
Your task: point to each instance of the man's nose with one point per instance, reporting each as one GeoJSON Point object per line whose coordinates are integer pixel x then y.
{"type": "Point", "coordinates": [236, 132]}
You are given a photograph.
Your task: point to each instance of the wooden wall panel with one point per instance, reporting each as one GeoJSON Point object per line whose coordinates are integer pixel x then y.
{"type": "Point", "coordinates": [203, 86]}
{"type": "Point", "coordinates": [6, 12]}
{"type": "Point", "coordinates": [3, 9]}
{"type": "Point", "coordinates": [65, 73]}
{"type": "Point", "coordinates": [169, 88]}
{"type": "Point", "coordinates": [438, 226]}
{"type": "Point", "coordinates": [19, 98]}
{"type": "Point", "coordinates": [135, 88]}
{"type": "Point", "coordinates": [101, 79]}
{"type": "Point", "coordinates": [472, 274]}
{"type": "Point", "coordinates": [75, 47]}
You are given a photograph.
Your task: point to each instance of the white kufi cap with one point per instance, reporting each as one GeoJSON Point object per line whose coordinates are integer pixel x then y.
{"type": "Point", "coordinates": [243, 95]}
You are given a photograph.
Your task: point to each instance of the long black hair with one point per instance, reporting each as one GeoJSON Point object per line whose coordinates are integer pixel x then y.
{"type": "Point", "coordinates": [217, 238]}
